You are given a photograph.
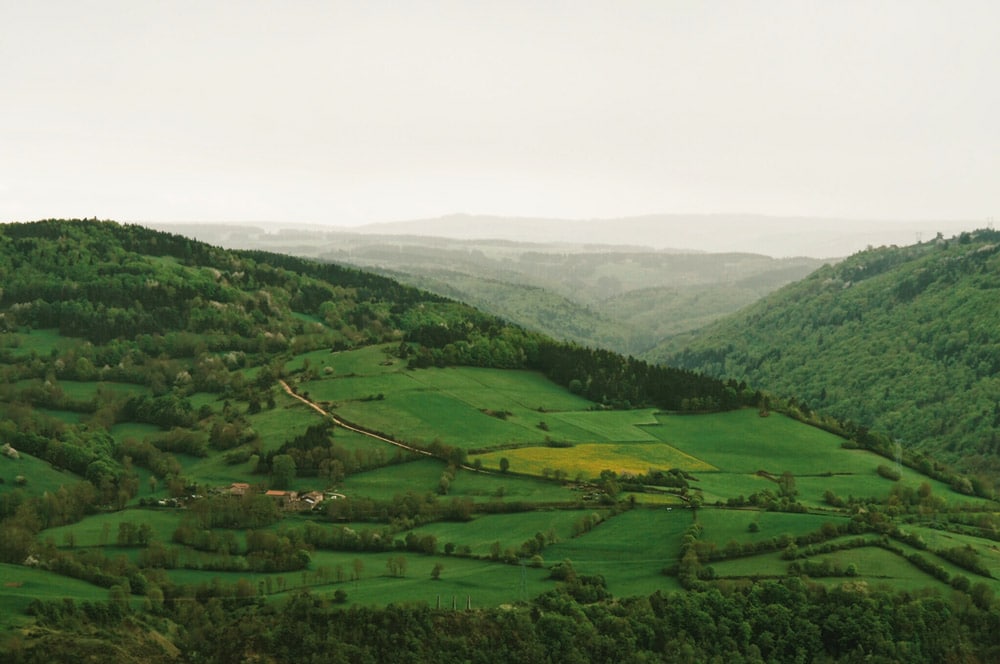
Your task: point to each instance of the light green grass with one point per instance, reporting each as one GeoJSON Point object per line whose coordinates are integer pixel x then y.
{"type": "Point", "coordinates": [742, 441]}
{"type": "Point", "coordinates": [384, 483]}
{"type": "Point", "coordinates": [40, 476]}
{"type": "Point", "coordinates": [365, 361]}
{"type": "Point", "coordinates": [448, 404]}
{"type": "Point", "coordinates": [615, 425]}
{"type": "Point", "coordinates": [484, 487]}
{"type": "Point", "coordinates": [336, 390]}
{"type": "Point", "coordinates": [41, 342]}
{"type": "Point", "coordinates": [288, 419]}
{"type": "Point", "coordinates": [989, 551]}
{"type": "Point", "coordinates": [629, 550]}
{"type": "Point", "coordinates": [422, 417]}
{"type": "Point", "coordinates": [485, 583]}
{"type": "Point", "coordinates": [722, 526]}
{"type": "Point", "coordinates": [102, 529]}
{"type": "Point", "coordinates": [510, 530]}
{"type": "Point", "coordinates": [199, 399]}
{"type": "Point", "coordinates": [19, 586]}
{"type": "Point", "coordinates": [496, 389]}
{"type": "Point", "coordinates": [875, 566]}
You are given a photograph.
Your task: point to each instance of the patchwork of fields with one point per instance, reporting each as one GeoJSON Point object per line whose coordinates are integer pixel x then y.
{"type": "Point", "coordinates": [541, 465]}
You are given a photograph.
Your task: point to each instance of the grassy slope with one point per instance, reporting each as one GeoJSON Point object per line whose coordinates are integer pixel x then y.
{"type": "Point", "coordinates": [20, 585]}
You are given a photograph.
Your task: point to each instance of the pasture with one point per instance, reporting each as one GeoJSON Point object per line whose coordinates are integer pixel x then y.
{"type": "Point", "coordinates": [486, 584]}
{"type": "Point", "coordinates": [465, 407]}
{"type": "Point", "coordinates": [101, 530]}
{"type": "Point", "coordinates": [485, 487]}
{"type": "Point", "coordinates": [38, 342]}
{"type": "Point", "coordinates": [743, 442]}
{"type": "Point", "coordinates": [722, 526]}
{"type": "Point", "coordinates": [384, 483]}
{"type": "Point", "coordinates": [629, 550]}
{"type": "Point", "coordinates": [39, 475]}
{"type": "Point", "coordinates": [509, 530]}
{"type": "Point", "coordinates": [20, 585]}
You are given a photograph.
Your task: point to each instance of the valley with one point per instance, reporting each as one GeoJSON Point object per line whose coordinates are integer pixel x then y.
{"type": "Point", "coordinates": [199, 442]}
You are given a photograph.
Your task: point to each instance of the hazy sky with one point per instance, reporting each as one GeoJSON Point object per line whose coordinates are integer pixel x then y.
{"type": "Point", "coordinates": [350, 112]}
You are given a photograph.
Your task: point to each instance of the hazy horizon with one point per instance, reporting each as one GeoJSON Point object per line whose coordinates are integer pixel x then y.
{"type": "Point", "coordinates": [345, 113]}
{"type": "Point", "coordinates": [778, 237]}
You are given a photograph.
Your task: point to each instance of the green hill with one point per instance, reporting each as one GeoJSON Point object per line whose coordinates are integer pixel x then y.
{"type": "Point", "coordinates": [905, 340]}
{"type": "Point", "coordinates": [623, 298]}
{"type": "Point", "coordinates": [224, 449]}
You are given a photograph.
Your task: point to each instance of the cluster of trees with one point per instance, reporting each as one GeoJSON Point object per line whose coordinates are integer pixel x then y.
{"type": "Point", "coordinates": [779, 621]}
{"type": "Point", "coordinates": [601, 376]}
{"type": "Point", "coordinates": [108, 282]}
{"type": "Point", "coordinates": [315, 453]}
{"type": "Point", "coordinates": [251, 510]}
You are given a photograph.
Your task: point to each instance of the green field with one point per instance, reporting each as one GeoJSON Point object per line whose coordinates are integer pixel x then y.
{"type": "Point", "coordinates": [510, 530]}
{"type": "Point", "coordinates": [465, 580]}
{"type": "Point", "coordinates": [487, 487]}
{"type": "Point", "coordinates": [452, 404]}
{"type": "Point", "coordinates": [39, 475]}
{"type": "Point", "coordinates": [20, 585]}
{"type": "Point", "coordinates": [630, 550]}
{"type": "Point", "coordinates": [39, 342]}
{"type": "Point", "coordinates": [551, 439]}
{"type": "Point", "coordinates": [723, 526]}
{"type": "Point", "coordinates": [417, 476]}
{"type": "Point", "coordinates": [102, 529]}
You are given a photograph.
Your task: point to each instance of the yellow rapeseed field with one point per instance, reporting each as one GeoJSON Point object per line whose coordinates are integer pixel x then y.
{"type": "Point", "coordinates": [591, 458]}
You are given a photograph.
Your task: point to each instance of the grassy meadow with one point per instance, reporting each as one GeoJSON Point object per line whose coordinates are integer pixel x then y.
{"type": "Point", "coordinates": [19, 585]}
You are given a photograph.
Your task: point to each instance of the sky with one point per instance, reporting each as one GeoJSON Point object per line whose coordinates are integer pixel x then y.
{"type": "Point", "coordinates": [347, 113]}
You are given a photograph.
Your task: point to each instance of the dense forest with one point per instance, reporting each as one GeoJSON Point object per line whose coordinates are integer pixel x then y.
{"type": "Point", "coordinates": [900, 339]}
{"type": "Point", "coordinates": [774, 621]}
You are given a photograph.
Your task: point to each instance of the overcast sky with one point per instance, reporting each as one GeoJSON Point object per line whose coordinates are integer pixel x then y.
{"type": "Point", "coordinates": [364, 111]}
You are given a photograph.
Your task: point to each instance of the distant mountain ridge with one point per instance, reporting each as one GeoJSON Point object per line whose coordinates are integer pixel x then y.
{"type": "Point", "coordinates": [615, 296]}
{"type": "Point", "coordinates": [818, 237]}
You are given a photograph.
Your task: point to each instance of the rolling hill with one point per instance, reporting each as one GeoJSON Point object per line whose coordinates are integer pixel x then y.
{"type": "Point", "coordinates": [209, 455]}
{"type": "Point", "coordinates": [900, 339]}
{"type": "Point", "coordinates": [620, 297]}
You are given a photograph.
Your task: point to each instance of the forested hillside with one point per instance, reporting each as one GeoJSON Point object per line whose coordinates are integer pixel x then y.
{"type": "Point", "coordinates": [905, 340]}
{"type": "Point", "coordinates": [622, 298]}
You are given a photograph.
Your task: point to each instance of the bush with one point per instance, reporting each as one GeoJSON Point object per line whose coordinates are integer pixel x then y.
{"type": "Point", "coordinates": [888, 472]}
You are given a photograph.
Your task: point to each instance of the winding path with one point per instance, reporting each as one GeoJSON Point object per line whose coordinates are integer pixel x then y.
{"type": "Point", "coordinates": [312, 404]}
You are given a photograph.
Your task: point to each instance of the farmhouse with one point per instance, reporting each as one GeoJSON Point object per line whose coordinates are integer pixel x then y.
{"type": "Point", "coordinates": [285, 499]}
{"type": "Point", "coordinates": [311, 499]}
{"type": "Point", "coordinates": [239, 488]}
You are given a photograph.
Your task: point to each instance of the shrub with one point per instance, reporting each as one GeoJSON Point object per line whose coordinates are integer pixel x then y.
{"type": "Point", "coordinates": [888, 472]}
